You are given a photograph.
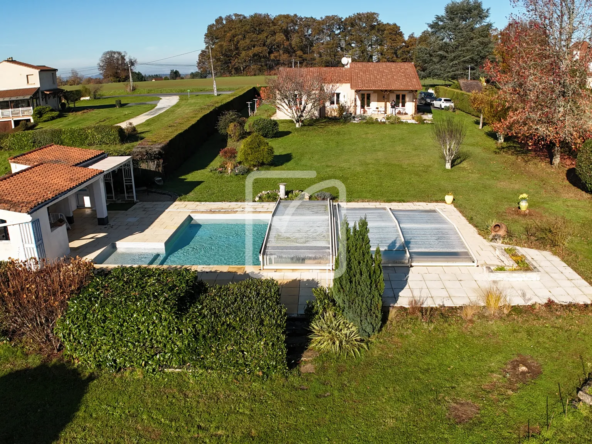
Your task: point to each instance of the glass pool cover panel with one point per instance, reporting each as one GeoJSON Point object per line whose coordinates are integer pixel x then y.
{"type": "Point", "coordinates": [431, 238]}
{"type": "Point", "coordinates": [299, 235]}
{"type": "Point", "coordinates": [384, 233]}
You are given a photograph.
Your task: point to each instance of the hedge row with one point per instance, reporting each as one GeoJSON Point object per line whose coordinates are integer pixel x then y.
{"type": "Point", "coordinates": [87, 136]}
{"type": "Point", "coordinates": [461, 99]}
{"type": "Point", "coordinates": [163, 318]}
{"type": "Point", "coordinates": [165, 156]}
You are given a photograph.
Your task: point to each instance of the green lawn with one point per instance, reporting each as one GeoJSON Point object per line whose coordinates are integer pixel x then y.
{"type": "Point", "coordinates": [402, 163]}
{"type": "Point", "coordinates": [100, 112]}
{"type": "Point", "coordinates": [398, 392]}
{"type": "Point", "coordinates": [174, 86]}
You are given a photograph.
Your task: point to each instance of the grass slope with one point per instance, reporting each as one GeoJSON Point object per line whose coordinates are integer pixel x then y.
{"type": "Point", "coordinates": [402, 163]}
{"type": "Point", "coordinates": [398, 392]}
{"type": "Point", "coordinates": [100, 112]}
{"type": "Point", "coordinates": [180, 86]}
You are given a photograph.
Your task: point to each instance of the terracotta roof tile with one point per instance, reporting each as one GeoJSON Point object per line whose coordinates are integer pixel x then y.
{"type": "Point", "coordinates": [366, 76]}
{"type": "Point", "coordinates": [384, 76]}
{"type": "Point", "coordinates": [17, 93]}
{"type": "Point", "coordinates": [66, 155]}
{"type": "Point", "coordinates": [23, 191]}
{"type": "Point", "coordinates": [27, 65]}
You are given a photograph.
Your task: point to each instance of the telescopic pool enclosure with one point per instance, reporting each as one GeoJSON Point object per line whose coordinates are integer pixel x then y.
{"type": "Point", "coordinates": [304, 234]}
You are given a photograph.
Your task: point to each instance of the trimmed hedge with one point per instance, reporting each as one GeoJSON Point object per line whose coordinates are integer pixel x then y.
{"type": "Point", "coordinates": [241, 328]}
{"type": "Point", "coordinates": [255, 151]}
{"type": "Point", "coordinates": [87, 136]}
{"type": "Point", "coordinates": [584, 164]}
{"type": "Point", "coordinates": [162, 157]}
{"type": "Point", "coordinates": [156, 318]}
{"type": "Point", "coordinates": [265, 127]}
{"type": "Point", "coordinates": [461, 99]}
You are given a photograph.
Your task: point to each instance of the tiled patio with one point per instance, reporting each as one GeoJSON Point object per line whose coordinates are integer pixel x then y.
{"type": "Point", "coordinates": [450, 286]}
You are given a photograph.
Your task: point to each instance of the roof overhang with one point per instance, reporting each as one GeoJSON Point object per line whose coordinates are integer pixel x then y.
{"type": "Point", "coordinates": [109, 164]}
{"type": "Point", "coordinates": [17, 94]}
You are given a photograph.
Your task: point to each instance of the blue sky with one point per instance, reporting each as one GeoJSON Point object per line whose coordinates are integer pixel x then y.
{"type": "Point", "coordinates": [69, 34]}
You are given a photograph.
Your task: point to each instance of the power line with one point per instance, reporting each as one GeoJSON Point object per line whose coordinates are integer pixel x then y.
{"type": "Point", "coordinates": [171, 57]}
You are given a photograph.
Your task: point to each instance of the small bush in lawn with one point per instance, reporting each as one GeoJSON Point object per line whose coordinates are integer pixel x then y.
{"type": "Point", "coordinates": [322, 195]}
{"type": "Point", "coordinates": [358, 290]}
{"type": "Point", "coordinates": [268, 196]}
{"type": "Point", "coordinates": [370, 120]}
{"type": "Point", "coordinates": [418, 118]}
{"type": "Point", "coordinates": [390, 119]}
{"type": "Point", "coordinates": [118, 103]}
{"type": "Point", "coordinates": [265, 127]}
{"type": "Point", "coordinates": [225, 120]}
{"type": "Point", "coordinates": [130, 130]}
{"type": "Point", "coordinates": [228, 153]}
{"type": "Point", "coordinates": [332, 333]}
{"type": "Point", "coordinates": [584, 164]}
{"type": "Point", "coordinates": [255, 151]}
{"type": "Point", "coordinates": [240, 170]}
{"type": "Point", "coordinates": [236, 131]}
{"type": "Point", "coordinates": [34, 297]}
{"type": "Point", "coordinates": [44, 114]}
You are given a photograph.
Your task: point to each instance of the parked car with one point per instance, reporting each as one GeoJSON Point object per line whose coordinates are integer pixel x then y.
{"type": "Point", "coordinates": [426, 98]}
{"type": "Point", "coordinates": [443, 102]}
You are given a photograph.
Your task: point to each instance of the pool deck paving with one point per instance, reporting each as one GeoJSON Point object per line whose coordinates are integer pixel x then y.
{"type": "Point", "coordinates": [154, 222]}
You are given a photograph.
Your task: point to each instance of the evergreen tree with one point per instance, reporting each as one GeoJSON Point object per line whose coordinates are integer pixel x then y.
{"type": "Point", "coordinates": [457, 39]}
{"type": "Point", "coordinates": [358, 290]}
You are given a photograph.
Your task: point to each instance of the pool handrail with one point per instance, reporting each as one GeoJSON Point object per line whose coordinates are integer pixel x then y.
{"type": "Point", "coordinates": [263, 245]}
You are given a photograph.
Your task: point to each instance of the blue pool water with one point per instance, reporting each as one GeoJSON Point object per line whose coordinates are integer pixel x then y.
{"type": "Point", "coordinates": [207, 242]}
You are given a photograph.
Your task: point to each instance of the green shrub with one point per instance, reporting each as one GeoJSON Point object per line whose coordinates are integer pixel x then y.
{"type": "Point", "coordinates": [265, 127]}
{"type": "Point", "coordinates": [358, 290]}
{"type": "Point", "coordinates": [133, 317]}
{"type": "Point", "coordinates": [333, 333]}
{"type": "Point", "coordinates": [418, 118]}
{"type": "Point", "coordinates": [79, 137]}
{"type": "Point", "coordinates": [225, 119]}
{"type": "Point", "coordinates": [160, 318]}
{"type": "Point", "coordinates": [236, 131]}
{"type": "Point", "coordinates": [322, 303]}
{"type": "Point", "coordinates": [118, 103]}
{"type": "Point", "coordinates": [390, 119]}
{"type": "Point", "coordinates": [461, 99]}
{"type": "Point", "coordinates": [370, 120]}
{"type": "Point", "coordinates": [584, 164]}
{"type": "Point", "coordinates": [255, 151]}
{"type": "Point", "coordinates": [44, 114]}
{"type": "Point", "coordinates": [241, 328]}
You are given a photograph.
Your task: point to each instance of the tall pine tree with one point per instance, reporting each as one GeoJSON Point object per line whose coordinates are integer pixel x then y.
{"type": "Point", "coordinates": [457, 39]}
{"type": "Point", "coordinates": [358, 290]}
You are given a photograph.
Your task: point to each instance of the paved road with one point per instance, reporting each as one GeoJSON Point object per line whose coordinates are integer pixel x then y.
{"type": "Point", "coordinates": [164, 104]}
{"type": "Point", "coordinates": [199, 93]}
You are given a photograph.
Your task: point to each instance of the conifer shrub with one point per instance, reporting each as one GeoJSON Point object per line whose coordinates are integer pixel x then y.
{"type": "Point", "coordinates": [44, 114]}
{"type": "Point", "coordinates": [584, 164]}
{"type": "Point", "coordinates": [265, 127]}
{"type": "Point", "coordinates": [255, 151]}
{"type": "Point", "coordinates": [358, 290]}
{"type": "Point", "coordinates": [236, 131]}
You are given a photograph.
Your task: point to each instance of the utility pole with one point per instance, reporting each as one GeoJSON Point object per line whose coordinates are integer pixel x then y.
{"type": "Point", "coordinates": [131, 79]}
{"type": "Point", "coordinates": [213, 75]}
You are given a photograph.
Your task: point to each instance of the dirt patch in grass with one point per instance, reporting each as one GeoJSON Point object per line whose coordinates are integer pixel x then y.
{"type": "Point", "coordinates": [462, 411]}
{"type": "Point", "coordinates": [79, 113]}
{"type": "Point", "coordinates": [522, 370]}
{"type": "Point", "coordinates": [528, 214]}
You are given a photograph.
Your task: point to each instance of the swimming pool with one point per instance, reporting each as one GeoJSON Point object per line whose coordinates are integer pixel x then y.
{"type": "Point", "coordinates": [197, 242]}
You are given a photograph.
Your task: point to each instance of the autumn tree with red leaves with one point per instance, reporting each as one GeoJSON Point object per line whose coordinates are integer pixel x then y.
{"type": "Point", "coordinates": [542, 75]}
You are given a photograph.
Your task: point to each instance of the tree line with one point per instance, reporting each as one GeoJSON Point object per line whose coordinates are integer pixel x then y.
{"type": "Point", "coordinates": [262, 43]}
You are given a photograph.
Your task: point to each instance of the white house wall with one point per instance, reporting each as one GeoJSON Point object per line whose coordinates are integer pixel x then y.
{"type": "Point", "coordinates": [10, 248]}
{"type": "Point", "coordinates": [56, 242]}
{"type": "Point", "coordinates": [15, 77]}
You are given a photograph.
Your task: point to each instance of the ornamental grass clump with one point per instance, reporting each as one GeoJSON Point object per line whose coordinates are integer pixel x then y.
{"type": "Point", "coordinates": [34, 295]}
{"type": "Point", "coordinates": [332, 333]}
{"type": "Point", "coordinates": [495, 300]}
{"type": "Point", "coordinates": [449, 133]}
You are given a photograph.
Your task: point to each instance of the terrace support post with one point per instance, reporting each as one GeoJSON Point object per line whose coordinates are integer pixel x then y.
{"type": "Point", "coordinates": [97, 192]}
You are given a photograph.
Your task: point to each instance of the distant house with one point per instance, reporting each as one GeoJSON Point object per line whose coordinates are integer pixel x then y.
{"type": "Point", "coordinates": [368, 88]}
{"type": "Point", "coordinates": [470, 86]}
{"type": "Point", "coordinates": [582, 49]}
{"type": "Point", "coordinates": [23, 87]}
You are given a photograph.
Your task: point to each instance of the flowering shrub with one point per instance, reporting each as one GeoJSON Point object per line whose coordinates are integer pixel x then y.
{"type": "Point", "coordinates": [228, 153]}
{"type": "Point", "coordinates": [33, 296]}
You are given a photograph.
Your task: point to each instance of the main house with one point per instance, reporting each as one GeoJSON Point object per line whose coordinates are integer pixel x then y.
{"type": "Point", "coordinates": [368, 88]}
{"type": "Point", "coordinates": [24, 87]}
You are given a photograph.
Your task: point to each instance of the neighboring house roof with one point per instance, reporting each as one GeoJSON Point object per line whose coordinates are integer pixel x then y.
{"type": "Point", "coordinates": [24, 191]}
{"type": "Point", "coordinates": [27, 65]}
{"type": "Point", "coordinates": [384, 76]}
{"type": "Point", "coordinates": [65, 155]}
{"type": "Point", "coordinates": [17, 94]}
{"type": "Point", "coordinates": [367, 75]}
{"type": "Point", "coordinates": [470, 86]}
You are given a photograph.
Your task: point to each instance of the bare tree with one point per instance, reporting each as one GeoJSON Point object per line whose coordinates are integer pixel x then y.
{"type": "Point", "coordinates": [75, 78]}
{"type": "Point", "coordinates": [449, 133]}
{"type": "Point", "coordinates": [300, 93]}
